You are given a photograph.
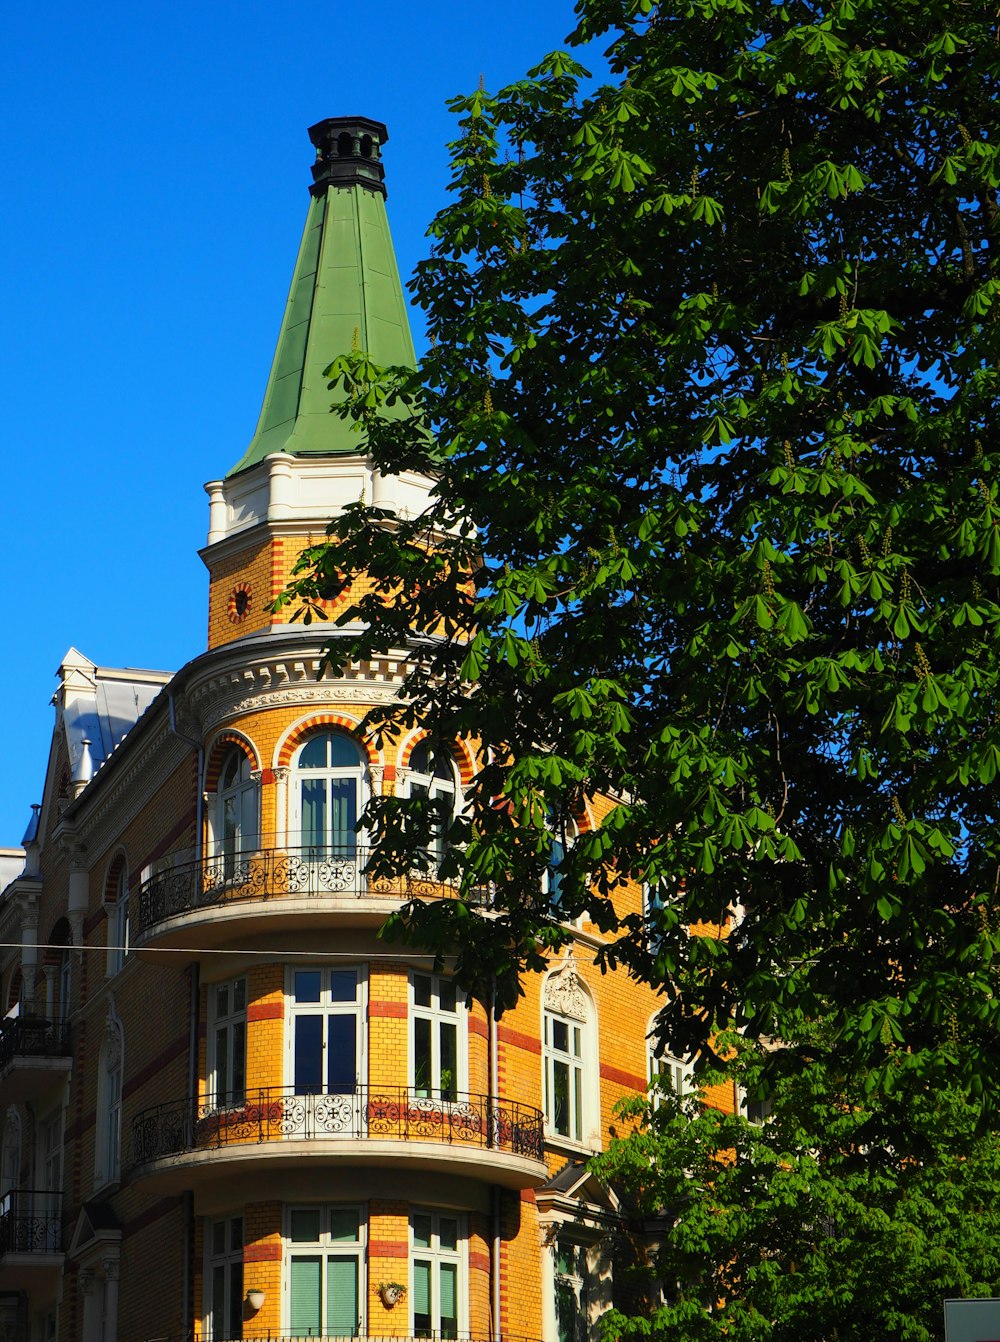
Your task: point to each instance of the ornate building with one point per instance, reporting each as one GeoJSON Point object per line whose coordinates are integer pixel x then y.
{"type": "Point", "coordinates": [229, 1111]}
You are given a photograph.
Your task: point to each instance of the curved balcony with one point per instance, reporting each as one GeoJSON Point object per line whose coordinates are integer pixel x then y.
{"type": "Point", "coordinates": [277, 884]}
{"type": "Point", "coordinates": [35, 1056]}
{"type": "Point", "coordinates": [501, 1141]}
{"type": "Point", "coordinates": [31, 1238]}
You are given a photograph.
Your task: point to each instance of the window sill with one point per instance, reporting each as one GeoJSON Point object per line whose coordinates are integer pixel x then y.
{"type": "Point", "coordinates": [566, 1146]}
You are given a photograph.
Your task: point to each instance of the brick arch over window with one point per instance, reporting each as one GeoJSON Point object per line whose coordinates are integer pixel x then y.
{"type": "Point", "coordinates": [302, 730]}
{"type": "Point", "coordinates": [459, 751]}
{"type": "Point", "coordinates": [117, 865]}
{"type": "Point", "coordinates": [59, 938]}
{"type": "Point", "coordinates": [218, 751]}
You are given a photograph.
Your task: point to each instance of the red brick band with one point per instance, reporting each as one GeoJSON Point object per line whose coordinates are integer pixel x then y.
{"type": "Point", "coordinates": [385, 1248]}
{"type": "Point", "coordinates": [620, 1078]}
{"type": "Point", "coordinates": [397, 1009]}
{"type": "Point", "coordinates": [261, 1253]}
{"type": "Point", "coordinates": [265, 1011]}
{"type": "Point", "coordinates": [518, 1040]}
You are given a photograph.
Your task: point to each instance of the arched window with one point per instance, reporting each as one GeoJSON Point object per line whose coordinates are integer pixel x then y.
{"type": "Point", "coordinates": [433, 775]}
{"type": "Point", "coordinates": [329, 793]}
{"type": "Point", "coordinates": [569, 1059]}
{"type": "Point", "coordinates": [236, 807]}
{"type": "Point", "coordinates": [109, 1103]}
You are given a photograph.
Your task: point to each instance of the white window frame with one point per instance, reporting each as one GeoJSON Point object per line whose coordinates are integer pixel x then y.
{"type": "Point", "coordinates": [328, 773]}
{"type": "Point", "coordinates": [436, 1257]}
{"type": "Point", "coordinates": [244, 795]}
{"type": "Point", "coordinates": [118, 928]}
{"type": "Point", "coordinates": [437, 1016]}
{"type": "Point", "coordinates": [674, 1074]}
{"type": "Point", "coordinates": [436, 788]}
{"type": "Point", "coordinates": [565, 1002]}
{"type": "Point", "coordinates": [325, 1248]}
{"type": "Point", "coordinates": [326, 1007]}
{"type": "Point", "coordinates": [232, 1024]}
{"type": "Point", "coordinates": [227, 1260]}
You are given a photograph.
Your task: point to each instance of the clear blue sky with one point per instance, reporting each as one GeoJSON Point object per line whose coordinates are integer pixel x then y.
{"type": "Point", "coordinates": [155, 164]}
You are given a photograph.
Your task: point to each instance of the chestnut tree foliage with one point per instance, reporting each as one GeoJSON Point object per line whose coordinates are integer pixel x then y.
{"type": "Point", "coordinates": [802, 1228]}
{"type": "Point", "coordinates": [716, 531]}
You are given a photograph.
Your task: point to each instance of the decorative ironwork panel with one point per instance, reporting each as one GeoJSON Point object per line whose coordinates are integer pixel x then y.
{"type": "Point", "coordinates": [278, 1113]}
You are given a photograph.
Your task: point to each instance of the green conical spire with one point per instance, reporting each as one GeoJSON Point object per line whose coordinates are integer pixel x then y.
{"type": "Point", "coordinates": [345, 292]}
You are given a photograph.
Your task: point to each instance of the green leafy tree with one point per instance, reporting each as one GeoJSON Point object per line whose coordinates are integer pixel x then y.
{"type": "Point", "coordinates": [801, 1228]}
{"type": "Point", "coordinates": [716, 530]}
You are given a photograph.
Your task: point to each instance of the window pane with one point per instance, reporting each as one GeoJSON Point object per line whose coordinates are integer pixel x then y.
{"type": "Point", "coordinates": [422, 1231]}
{"type": "Point", "coordinates": [448, 1277]}
{"type": "Point", "coordinates": [422, 1056]}
{"type": "Point", "coordinates": [222, 1064]}
{"type": "Point", "coordinates": [342, 1296]}
{"type": "Point", "coordinates": [239, 1072]}
{"type": "Point", "coordinates": [446, 995]}
{"type": "Point", "coordinates": [560, 1098]}
{"type": "Point", "coordinates": [560, 1036]}
{"type": "Point", "coordinates": [422, 985]}
{"type": "Point", "coordinates": [313, 812]}
{"type": "Point", "coordinates": [240, 995]}
{"type": "Point", "coordinates": [577, 1133]}
{"type": "Point", "coordinates": [449, 1056]}
{"type": "Point", "coordinates": [343, 814]}
{"type": "Point", "coordinates": [313, 753]}
{"type": "Point", "coordinates": [305, 1309]}
{"type": "Point", "coordinates": [307, 985]}
{"type": "Point", "coordinates": [305, 1223]}
{"type": "Point", "coordinates": [343, 985]}
{"type": "Point", "coordinates": [342, 1068]}
{"type": "Point", "coordinates": [222, 1001]}
{"type": "Point", "coordinates": [219, 1301]}
{"type": "Point", "coordinates": [236, 1233]}
{"type": "Point", "coordinates": [308, 1069]}
{"type": "Point", "coordinates": [422, 1297]}
{"type": "Point", "coordinates": [345, 1224]}
{"type": "Point", "coordinates": [448, 1232]}
{"type": "Point", "coordinates": [235, 1320]}
{"type": "Point", "coordinates": [344, 753]}
{"type": "Point", "coordinates": [218, 1238]}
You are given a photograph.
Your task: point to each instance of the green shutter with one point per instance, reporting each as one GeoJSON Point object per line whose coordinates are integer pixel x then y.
{"type": "Point", "coordinates": [448, 1278]}
{"type": "Point", "coordinates": [305, 1312]}
{"type": "Point", "coordinates": [342, 1297]}
{"type": "Point", "coordinates": [421, 1297]}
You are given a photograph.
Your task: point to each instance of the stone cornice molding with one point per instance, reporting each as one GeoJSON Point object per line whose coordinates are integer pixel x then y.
{"type": "Point", "coordinates": [228, 692]}
{"type": "Point", "coordinates": [564, 992]}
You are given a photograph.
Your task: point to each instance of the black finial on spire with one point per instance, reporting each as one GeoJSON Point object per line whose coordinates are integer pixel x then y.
{"type": "Point", "coordinates": [348, 153]}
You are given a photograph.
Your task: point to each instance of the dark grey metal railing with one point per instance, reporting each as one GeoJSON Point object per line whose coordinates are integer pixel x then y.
{"type": "Point", "coordinates": [272, 873]}
{"type": "Point", "coordinates": [33, 1037]}
{"type": "Point", "coordinates": [30, 1221]}
{"type": "Point", "coordinates": [277, 1113]}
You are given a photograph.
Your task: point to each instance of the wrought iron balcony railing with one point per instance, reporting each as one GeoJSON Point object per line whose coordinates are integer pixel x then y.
{"type": "Point", "coordinates": [277, 1113]}
{"type": "Point", "coordinates": [437, 1336]}
{"type": "Point", "coordinates": [33, 1037]}
{"type": "Point", "coordinates": [276, 872]}
{"type": "Point", "coordinates": [30, 1221]}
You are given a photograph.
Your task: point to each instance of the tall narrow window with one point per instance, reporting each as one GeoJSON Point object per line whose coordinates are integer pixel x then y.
{"type": "Point", "coordinates": [561, 840]}
{"type": "Point", "coordinates": [109, 1103]}
{"type": "Point", "coordinates": [571, 1292]}
{"type": "Point", "coordinates": [432, 776]}
{"type": "Point", "coordinates": [329, 794]}
{"type": "Point", "coordinates": [236, 809]}
{"type": "Point", "coordinates": [668, 1075]}
{"type": "Point", "coordinates": [436, 1274]}
{"type": "Point", "coordinates": [569, 1057]}
{"type": "Point", "coordinates": [325, 1030]}
{"type": "Point", "coordinates": [227, 1060]}
{"type": "Point", "coordinates": [117, 912]}
{"type": "Point", "coordinates": [224, 1278]}
{"type": "Point", "coordinates": [324, 1256]}
{"type": "Point", "coordinates": [438, 1052]}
